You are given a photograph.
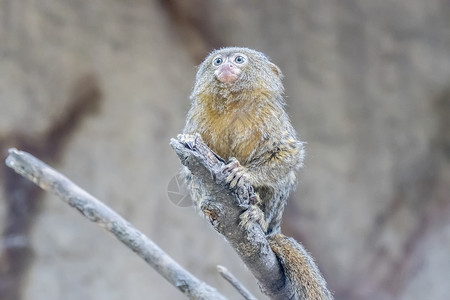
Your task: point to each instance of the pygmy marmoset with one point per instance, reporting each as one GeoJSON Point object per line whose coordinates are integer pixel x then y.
{"type": "Point", "coordinates": [238, 109]}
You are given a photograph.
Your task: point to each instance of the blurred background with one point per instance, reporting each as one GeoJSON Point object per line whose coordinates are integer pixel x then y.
{"type": "Point", "coordinates": [97, 88]}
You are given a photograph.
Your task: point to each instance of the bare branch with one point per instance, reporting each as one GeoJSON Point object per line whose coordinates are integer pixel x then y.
{"type": "Point", "coordinates": [235, 283]}
{"type": "Point", "coordinates": [50, 180]}
{"type": "Point", "coordinates": [223, 209]}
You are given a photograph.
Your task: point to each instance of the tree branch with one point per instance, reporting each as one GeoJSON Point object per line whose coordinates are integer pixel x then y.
{"type": "Point", "coordinates": [50, 180]}
{"type": "Point", "coordinates": [223, 208]}
{"type": "Point", "coordinates": [235, 283]}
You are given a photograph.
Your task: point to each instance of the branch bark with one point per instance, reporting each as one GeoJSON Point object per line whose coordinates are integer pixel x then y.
{"type": "Point", "coordinates": [223, 208]}
{"type": "Point", "coordinates": [235, 283]}
{"type": "Point", "coordinates": [50, 180]}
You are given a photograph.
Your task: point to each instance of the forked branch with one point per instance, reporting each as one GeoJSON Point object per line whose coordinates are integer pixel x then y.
{"type": "Point", "coordinates": [224, 207]}
{"type": "Point", "coordinates": [50, 180]}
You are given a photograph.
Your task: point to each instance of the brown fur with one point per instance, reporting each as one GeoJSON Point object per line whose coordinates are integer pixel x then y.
{"type": "Point", "coordinates": [245, 120]}
{"type": "Point", "coordinates": [305, 276]}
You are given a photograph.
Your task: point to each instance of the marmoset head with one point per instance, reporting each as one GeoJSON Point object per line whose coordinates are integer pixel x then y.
{"type": "Point", "coordinates": [230, 71]}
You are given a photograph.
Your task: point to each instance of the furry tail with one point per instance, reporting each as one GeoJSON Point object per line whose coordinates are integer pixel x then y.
{"type": "Point", "coordinates": [300, 268]}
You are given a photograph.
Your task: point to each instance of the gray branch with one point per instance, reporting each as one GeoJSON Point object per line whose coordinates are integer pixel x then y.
{"type": "Point", "coordinates": [235, 283]}
{"type": "Point", "coordinates": [50, 180]}
{"type": "Point", "coordinates": [223, 209]}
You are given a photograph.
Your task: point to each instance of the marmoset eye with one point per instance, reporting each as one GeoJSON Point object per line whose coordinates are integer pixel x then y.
{"type": "Point", "coordinates": [239, 59]}
{"type": "Point", "coordinates": [217, 61]}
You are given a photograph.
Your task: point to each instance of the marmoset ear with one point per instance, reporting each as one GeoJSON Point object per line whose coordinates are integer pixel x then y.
{"type": "Point", "coordinates": [276, 70]}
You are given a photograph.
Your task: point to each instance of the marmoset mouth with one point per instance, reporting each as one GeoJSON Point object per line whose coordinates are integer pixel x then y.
{"type": "Point", "coordinates": [227, 74]}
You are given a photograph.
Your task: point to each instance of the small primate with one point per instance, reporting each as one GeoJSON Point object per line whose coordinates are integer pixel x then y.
{"type": "Point", "coordinates": [238, 110]}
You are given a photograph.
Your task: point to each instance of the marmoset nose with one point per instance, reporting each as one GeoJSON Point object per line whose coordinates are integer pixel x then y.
{"type": "Point", "coordinates": [227, 73]}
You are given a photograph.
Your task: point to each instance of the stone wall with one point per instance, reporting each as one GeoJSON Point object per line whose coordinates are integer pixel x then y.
{"type": "Point", "coordinates": [97, 87]}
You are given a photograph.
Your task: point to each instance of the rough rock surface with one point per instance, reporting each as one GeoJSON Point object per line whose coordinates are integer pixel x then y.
{"type": "Point", "coordinates": [97, 88]}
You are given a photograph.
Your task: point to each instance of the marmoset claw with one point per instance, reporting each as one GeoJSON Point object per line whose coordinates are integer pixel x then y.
{"type": "Point", "coordinates": [236, 174]}
{"type": "Point", "coordinates": [189, 140]}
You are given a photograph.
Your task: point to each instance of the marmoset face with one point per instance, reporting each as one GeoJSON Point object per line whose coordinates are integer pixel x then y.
{"type": "Point", "coordinates": [234, 73]}
{"type": "Point", "coordinates": [228, 67]}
